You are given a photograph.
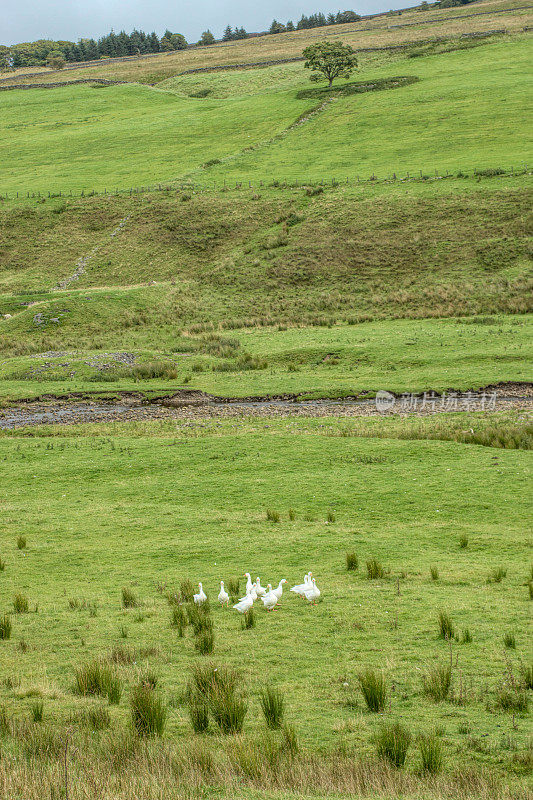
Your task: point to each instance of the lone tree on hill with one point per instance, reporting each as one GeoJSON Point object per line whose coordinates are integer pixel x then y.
{"type": "Point", "coordinates": [330, 60]}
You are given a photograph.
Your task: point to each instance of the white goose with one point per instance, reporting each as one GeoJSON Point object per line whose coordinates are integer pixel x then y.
{"type": "Point", "coordinates": [313, 593]}
{"type": "Point", "coordinates": [279, 591]}
{"type": "Point", "coordinates": [201, 597]}
{"type": "Point", "coordinates": [223, 596]}
{"type": "Point", "coordinates": [270, 599]}
{"type": "Point", "coordinates": [250, 587]}
{"type": "Point", "coordinates": [259, 590]}
{"type": "Point", "coordinates": [245, 604]}
{"type": "Point", "coordinates": [300, 588]}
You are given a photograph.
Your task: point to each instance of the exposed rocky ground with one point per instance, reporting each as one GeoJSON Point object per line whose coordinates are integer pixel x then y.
{"type": "Point", "coordinates": [195, 405]}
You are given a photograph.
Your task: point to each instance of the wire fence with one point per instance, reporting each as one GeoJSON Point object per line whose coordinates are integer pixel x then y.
{"type": "Point", "coordinates": [224, 185]}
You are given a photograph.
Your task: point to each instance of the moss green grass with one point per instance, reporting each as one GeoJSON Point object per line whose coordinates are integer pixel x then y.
{"type": "Point", "coordinates": [189, 501]}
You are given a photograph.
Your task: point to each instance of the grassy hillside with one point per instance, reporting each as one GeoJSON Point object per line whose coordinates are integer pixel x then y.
{"type": "Point", "coordinates": [190, 503]}
{"type": "Point", "coordinates": [87, 137]}
{"type": "Point", "coordinates": [82, 137]}
{"type": "Point", "coordinates": [388, 30]}
{"type": "Point", "coordinates": [190, 277]}
{"type": "Point", "coordinates": [235, 279]}
{"type": "Point", "coordinates": [400, 356]}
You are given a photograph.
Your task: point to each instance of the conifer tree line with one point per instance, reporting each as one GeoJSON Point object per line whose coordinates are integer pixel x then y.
{"type": "Point", "coordinates": [318, 20]}
{"type": "Point", "coordinates": [116, 45]}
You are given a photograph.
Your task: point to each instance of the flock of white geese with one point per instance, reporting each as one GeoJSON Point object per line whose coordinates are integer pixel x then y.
{"type": "Point", "coordinates": [270, 597]}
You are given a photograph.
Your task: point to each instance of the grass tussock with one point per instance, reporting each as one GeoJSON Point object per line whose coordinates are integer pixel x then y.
{"type": "Point", "coordinates": [466, 636]}
{"type": "Point", "coordinates": [497, 575]}
{"type": "Point", "coordinates": [97, 678]}
{"type": "Point", "coordinates": [509, 641]}
{"type": "Point", "coordinates": [437, 681]}
{"type": "Point", "coordinates": [148, 712]}
{"type": "Point", "coordinates": [186, 591]}
{"type": "Point", "coordinates": [221, 689]}
{"type": "Point", "coordinates": [199, 714]}
{"type": "Point", "coordinates": [179, 619]}
{"type": "Point", "coordinates": [392, 743]}
{"type": "Point", "coordinates": [228, 710]}
{"type": "Point", "coordinates": [272, 703]}
{"type": "Point", "coordinates": [374, 569]}
{"type": "Point", "coordinates": [129, 598]}
{"type": "Point", "coordinates": [96, 718]}
{"type": "Point", "coordinates": [21, 542]}
{"type": "Point", "coordinates": [430, 747]}
{"type": "Point", "coordinates": [527, 676]}
{"type": "Point", "coordinates": [374, 689]}
{"type": "Point", "coordinates": [21, 603]}
{"type": "Point", "coordinates": [352, 562]}
{"type": "Point", "coordinates": [5, 627]}
{"type": "Point", "coordinates": [204, 642]}
{"type": "Point", "coordinates": [248, 620]}
{"type": "Point", "coordinates": [446, 627]}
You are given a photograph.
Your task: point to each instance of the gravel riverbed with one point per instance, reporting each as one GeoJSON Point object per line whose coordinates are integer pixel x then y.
{"type": "Point", "coordinates": [74, 412]}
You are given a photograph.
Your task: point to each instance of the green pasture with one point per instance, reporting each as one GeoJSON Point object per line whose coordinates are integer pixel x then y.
{"type": "Point", "coordinates": [397, 355]}
{"type": "Point", "coordinates": [170, 502]}
{"type": "Point", "coordinates": [466, 111]}
{"type": "Point", "coordinates": [87, 137]}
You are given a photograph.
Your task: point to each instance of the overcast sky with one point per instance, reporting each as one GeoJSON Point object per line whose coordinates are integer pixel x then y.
{"type": "Point", "coordinates": [27, 20]}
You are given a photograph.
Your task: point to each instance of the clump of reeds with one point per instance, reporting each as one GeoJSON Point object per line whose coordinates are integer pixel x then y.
{"type": "Point", "coordinates": [352, 562]}
{"type": "Point", "coordinates": [430, 748]}
{"type": "Point", "coordinates": [374, 569]}
{"type": "Point", "coordinates": [5, 627]}
{"type": "Point", "coordinates": [148, 712]}
{"type": "Point", "coordinates": [98, 678]}
{"type": "Point", "coordinates": [20, 603]}
{"type": "Point", "coordinates": [446, 629]}
{"type": "Point", "coordinates": [129, 598]}
{"type": "Point", "coordinates": [374, 689]}
{"type": "Point", "coordinates": [497, 575]}
{"type": "Point", "coordinates": [186, 591]}
{"type": "Point", "coordinates": [437, 682]}
{"type": "Point", "coordinates": [273, 706]}
{"type": "Point", "coordinates": [392, 743]}
{"type": "Point", "coordinates": [248, 619]}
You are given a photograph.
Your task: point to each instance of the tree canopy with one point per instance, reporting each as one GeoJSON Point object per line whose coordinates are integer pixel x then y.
{"type": "Point", "coordinates": [330, 60]}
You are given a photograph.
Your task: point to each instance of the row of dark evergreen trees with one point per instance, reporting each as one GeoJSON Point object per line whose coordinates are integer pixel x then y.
{"type": "Point", "coordinates": [318, 20]}
{"type": "Point", "coordinates": [115, 45]}
{"type": "Point", "coordinates": [30, 54]}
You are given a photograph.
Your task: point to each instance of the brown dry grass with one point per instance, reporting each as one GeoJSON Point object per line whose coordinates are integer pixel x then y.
{"type": "Point", "coordinates": [382, 31]}
{"type": "Point", "coordinates": [115, 766]}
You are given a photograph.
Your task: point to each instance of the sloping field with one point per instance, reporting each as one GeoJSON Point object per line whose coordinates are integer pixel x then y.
{"type": "Point", "coordinates": [384, 31]}
{"type": "Point", "coordinates": [85, 138]}
{"type": "Point", "coordinates": [263, 266]}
